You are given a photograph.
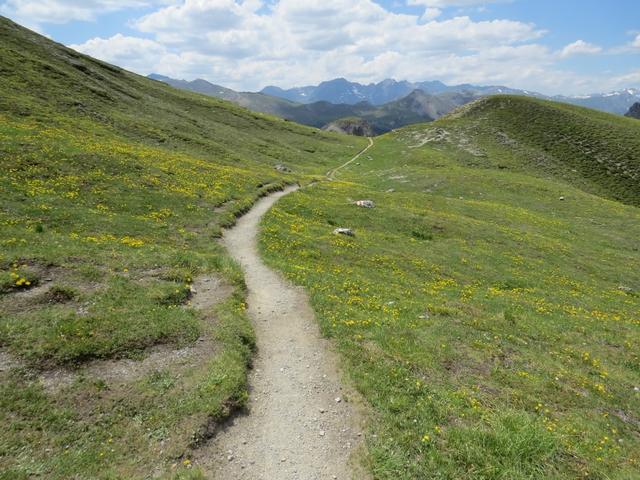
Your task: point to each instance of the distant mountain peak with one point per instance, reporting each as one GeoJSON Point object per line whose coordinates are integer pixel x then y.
{"type": "Point", "coordinates": [340, 90]}
{"type": "Point", "coordinates": [418, 93]}
{"type": "Point", "coordinates": [160, 78]}
{"type": "Point", "coordinates": [354, 108]}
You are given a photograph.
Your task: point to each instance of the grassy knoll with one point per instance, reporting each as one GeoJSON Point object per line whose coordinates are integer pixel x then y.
{"type": "Point", "coordinates": [114, 189]}
{"type": "Point", "coordinates": [488, 308]}
{"type": "Point", "coordinates": [595, 151]}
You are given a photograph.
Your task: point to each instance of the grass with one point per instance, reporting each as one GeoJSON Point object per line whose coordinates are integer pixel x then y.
{"type": "Point", "coordinates": [487, 308]}
{"type": "Point", "coordinates": [593, 150]}
{"type": "Point", "coordinates": [115, 189]}
{"type": "Point", "coordinates": [492, 327]}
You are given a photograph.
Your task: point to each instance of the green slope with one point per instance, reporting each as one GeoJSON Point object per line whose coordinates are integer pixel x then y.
{"type": "Point", "coordinates": [492, 327]}
{"type": "Point", "coordinates": [594, 150]}
{"type": "Point", "coordinates": [114, 189]}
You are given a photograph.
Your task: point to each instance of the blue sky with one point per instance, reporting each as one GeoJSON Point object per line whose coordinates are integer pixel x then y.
{"type": "Point", "coordinates": [561, 46]}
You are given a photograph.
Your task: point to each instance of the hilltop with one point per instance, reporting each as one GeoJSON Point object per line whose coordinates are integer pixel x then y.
{"type": "Point", "coordinates": [385, 106]}
{"type": "Point", "coordinates": [351, 126]}
{"type": "Point", "coordinates": [341, 90]}
{"type": "Point", "coordinates": [596, 151]}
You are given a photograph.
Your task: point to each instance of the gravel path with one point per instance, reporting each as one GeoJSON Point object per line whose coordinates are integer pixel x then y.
{"type": "Point", "coordinates": [301, 423]}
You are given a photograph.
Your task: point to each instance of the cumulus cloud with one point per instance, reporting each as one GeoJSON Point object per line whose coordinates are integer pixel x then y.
{"type": "Point", "coordinates": [636, 42]}
{"type": "Point", "coordinates": [431, 13]}
{"type": "Point", "coordinates": [133, 53]}
{"type": "Point", "coordinates": [247, 44]}
{"type": "Point", "coordinates": [580, 47]}
{"type": "Point", "coordinates": [451, 3]}
{"type": "Point", "coordinates": [321, 25]}
{"type": "Point", "coordinates": [63, 11]}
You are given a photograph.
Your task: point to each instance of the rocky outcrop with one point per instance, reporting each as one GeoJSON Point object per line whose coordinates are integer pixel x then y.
{"type": "Point", "coordinates": [351, 126]}
{"type": "Point", "coordinates": [344, 231]}
{"type": "Point", "coordinates": [634, 111]}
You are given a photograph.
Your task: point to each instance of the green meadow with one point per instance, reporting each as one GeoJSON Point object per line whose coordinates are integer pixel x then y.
{"type": "Point", "coordinates": [114, 191]}
{"type": "Point", "coordinates": [488, 308]}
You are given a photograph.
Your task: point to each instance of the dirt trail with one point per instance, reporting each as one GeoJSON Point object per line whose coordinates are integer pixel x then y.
{"type": "Point", "coordinates": [301, 423]}
{"type": "Point", "coordinates": [331, 173]}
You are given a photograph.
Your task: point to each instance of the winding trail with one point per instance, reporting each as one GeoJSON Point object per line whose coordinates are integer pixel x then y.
{"type": "Point", "coordinates": [331, 173]}
{"type": "Point", "coordinates": [300, 424]}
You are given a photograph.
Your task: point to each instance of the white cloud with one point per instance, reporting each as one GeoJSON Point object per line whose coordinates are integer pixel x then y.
{"type": "Point", "coordinates": [636, 42]}
{"type": "Point", "coordinates": [319, 26]}
{"type": "Point", "coordinates": [243, 46]}
{"type": "Point", "coordinates": [431, 13]}
{"type": "Point", "coordinates": [451, 3]}
{"type": "Point", "coordinates": [133, 53]}
{"type": "Point", "coordinates": [624, 81]}
{"type": "Point", "coordinates": [247, 44]}
{"type": "Point", "coordinates": [580, 47]}
{"type": "Point", "coordinates": [63, 11]}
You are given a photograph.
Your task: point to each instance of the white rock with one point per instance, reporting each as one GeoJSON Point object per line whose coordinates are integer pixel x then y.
{"type": "Point", "coordinates": [344, 231]}
{"type": "Point", "coordinates": [366, 203]}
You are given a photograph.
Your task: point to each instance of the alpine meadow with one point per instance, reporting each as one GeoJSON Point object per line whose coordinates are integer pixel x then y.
{"type": "Point", "coordinates": [419, 280]}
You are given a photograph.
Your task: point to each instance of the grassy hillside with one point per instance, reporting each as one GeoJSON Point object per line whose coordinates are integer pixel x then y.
{"type": "Point", "coordinates": [113, 192]}
{"type": "Point", "coordinates": [597, 151]}
{"type": "Point", "coordinates": [488, 307]}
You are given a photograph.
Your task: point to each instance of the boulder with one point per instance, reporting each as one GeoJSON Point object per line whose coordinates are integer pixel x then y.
{"type": "Point", "coordinates": [366, 203]}
{"type": "Point", "coordinates": [282, 168]}
{"type": "Point", "coordinates": [344, 231]}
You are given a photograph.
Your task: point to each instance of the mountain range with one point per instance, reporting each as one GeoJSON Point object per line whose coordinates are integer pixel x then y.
{"type": "Point", "coordinates": [385, 105]}
{"type": "Point", "coordinates": [414, 107]}
{"type": "Point", "coordinates": [343, 91]}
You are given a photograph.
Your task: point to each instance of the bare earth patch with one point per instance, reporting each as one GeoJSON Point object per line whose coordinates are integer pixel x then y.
{"type": "Point", "coordinates": [209, 290]}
